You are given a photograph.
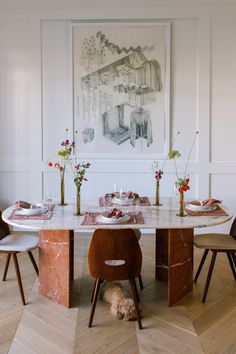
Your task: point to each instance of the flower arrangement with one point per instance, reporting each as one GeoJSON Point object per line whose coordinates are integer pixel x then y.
{"type": "Point", "coordinates": [78, 169]}
{"type": "Point", "coordinates": [182, 182]}
{"type": "Point", "coordinates": [79, 176]}
{"type": "Point", "coordinates": [64, 153]}
{"type": "Point", "coordinates": [158, 176]}
{"type": "Point", "coordinates": [159, 173]}
{"type": "Point", "coordinates": [68, 146]}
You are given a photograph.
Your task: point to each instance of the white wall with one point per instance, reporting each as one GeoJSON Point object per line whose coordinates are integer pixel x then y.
{"type": "Point", "coordinates": [36, 97]}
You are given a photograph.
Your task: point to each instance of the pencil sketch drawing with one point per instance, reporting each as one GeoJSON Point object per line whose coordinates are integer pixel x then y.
{"type": "Point", "coordinates": [120, 84]}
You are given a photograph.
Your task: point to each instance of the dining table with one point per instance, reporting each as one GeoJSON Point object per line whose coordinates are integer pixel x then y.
{"type": "Point", "coordinates": [174, 236]}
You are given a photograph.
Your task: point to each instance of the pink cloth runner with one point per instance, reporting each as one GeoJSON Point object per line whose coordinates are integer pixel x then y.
{"type": "Point", "coordinates": [91, 219]}
{"type": "Point", "coordinates": [217, 212]}
{"type": "Point", "coordinates": [142, 201]}
{"type": "Point", "coordinates": [43, 216]}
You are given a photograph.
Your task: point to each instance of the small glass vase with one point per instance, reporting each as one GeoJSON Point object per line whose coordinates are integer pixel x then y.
{"type": "Point", "coordinates": [181, 204]}
{"type": "Point", "coordinates": [157, 192]}
{"type": "Point", "coordinates": [77, 210]}
{"type": "Point", "coordinates": [62, 201]}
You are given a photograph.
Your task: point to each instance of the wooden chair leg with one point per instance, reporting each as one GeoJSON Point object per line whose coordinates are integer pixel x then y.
{"type": "Point", "coordinates": [132, 283]}
{"type": "Point", "coordinates": [140, 282]}
{"type": "Point", "coordinates": [213, 259]}
{"type": "Point", "coordinates": [6, 266]}
{"type": "Point", "coordinates": [234, 258]}
{"type": "Point", "coordinates": [231, 264]}
{"type": "Point", "coordinates": [33, 262]}
{"type": "Point", "coordinates": [101, 281]}
{"type": "Point", "coordinates": [201, 265]}
{"type": "Point", "coordinates": [94, 286]}
{"type": "Point", "coordinates": [136, 290]}
{"type": "Point", "coordinates": [18, 278]}
{"type": "Point", "coordinates": [95, 296]}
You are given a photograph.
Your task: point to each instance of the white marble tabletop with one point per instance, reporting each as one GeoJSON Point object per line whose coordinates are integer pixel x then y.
{"type": "Point", "coordinates": [155, 217]}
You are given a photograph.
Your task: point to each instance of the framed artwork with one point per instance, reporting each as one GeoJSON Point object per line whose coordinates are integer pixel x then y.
{"type": "Point", "coordinates": [121, 74]}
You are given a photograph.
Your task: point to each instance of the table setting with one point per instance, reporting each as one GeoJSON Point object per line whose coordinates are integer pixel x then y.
{"type": "Point", "coordinates": [23, 210]}
{"type": "Point", "coordinates": [113, 217]}
{"type": "Point", "coordinates": [207, 207]}
{"type": "Point", "coordinates": [123, 199]}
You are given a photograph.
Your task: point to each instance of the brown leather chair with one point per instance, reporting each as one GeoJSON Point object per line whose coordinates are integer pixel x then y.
{"type": "Point", "coordinates": [216, 243]}
{"type": "Point", "coordinates": [107, 246]}
{"type": "Point", "coordinates": [11, 245]}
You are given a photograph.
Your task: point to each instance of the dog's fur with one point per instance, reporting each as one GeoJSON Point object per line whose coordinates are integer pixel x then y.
{"type": "Point", "coordinates": [122, 306]}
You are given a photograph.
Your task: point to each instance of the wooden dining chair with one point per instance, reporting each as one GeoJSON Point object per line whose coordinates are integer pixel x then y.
{"type": "Point", "coordinates": [216, 242]}
{"type": "Point", "coordinates": [121, 246]}
{"type": "Point", "coordinates": [11, 245]}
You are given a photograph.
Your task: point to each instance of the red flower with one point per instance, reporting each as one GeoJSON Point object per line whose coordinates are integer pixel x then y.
{"type": "Point", "coordinates": [50, 164]}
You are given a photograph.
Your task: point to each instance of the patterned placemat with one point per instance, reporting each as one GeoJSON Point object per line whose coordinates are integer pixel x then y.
{"type": "Point", "coordinates": [142, 201]}
{"type": "Point", "coordinates": [216, 212]}
{"type": "Point", "coordinates": [91, 219]}
{"type": "Point", "coordinates": [43, 216]}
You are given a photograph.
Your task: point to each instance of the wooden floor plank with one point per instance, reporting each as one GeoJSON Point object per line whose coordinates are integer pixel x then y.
{"type": "Point", "coordinates": [187, 327]}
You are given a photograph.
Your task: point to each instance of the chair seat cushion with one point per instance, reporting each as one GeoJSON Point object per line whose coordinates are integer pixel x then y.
{"type": "Point", "coordinates": [215, 241]}
{"type": "Point", "coordinates": [18, 243]}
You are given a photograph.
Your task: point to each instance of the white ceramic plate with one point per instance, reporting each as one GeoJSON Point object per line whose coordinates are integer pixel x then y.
{"type": "Point", "coordinates": [123, 200]}
{"type": "Point", "coordinates": [103, 219]}
{"type": "Point", "coordinates": [195, 207]}
{"type": "Point", "coordinates": [32, 211]}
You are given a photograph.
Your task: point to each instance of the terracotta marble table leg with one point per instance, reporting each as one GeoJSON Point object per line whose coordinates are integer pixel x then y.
{"type": "Point", "coordinates": [56, 265]}
{"type": "Point", "coordinates": [174, 261]}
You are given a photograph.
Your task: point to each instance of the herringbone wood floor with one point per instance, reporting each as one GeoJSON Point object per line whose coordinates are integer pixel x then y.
{"type": "Point", "coordinates": [188, 327]}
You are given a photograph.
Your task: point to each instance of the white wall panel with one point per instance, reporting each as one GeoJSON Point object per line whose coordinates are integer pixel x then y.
{"type": "Point", "coordinates": [184, 84]}
{"type": "Point", "coordinates": [14, 186]}
{"type": "Point", "coordinates": [56, 85]}
{"type": "Point", "coordinates": [15, 66]}
{"type": "Point", "coordinates": [223, 109]}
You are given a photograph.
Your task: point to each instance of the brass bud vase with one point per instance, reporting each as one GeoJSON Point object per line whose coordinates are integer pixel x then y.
{"type": "Point", "coordinates": [78, 211]}
{"type": "Point", "coordinates": [157, 192]}
{"type": "Point", "coordinates": [181, 204]}
{"type": "Point", "coordinates": [62, 202]}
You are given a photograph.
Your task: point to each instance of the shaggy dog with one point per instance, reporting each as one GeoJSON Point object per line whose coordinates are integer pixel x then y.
{"type": "Point", "coordinates": [122, 306]}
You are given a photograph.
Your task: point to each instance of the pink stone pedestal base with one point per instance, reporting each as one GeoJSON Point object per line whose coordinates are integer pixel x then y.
{"type": "Point", "coordinates": [56, 248]}
{"type": "Point", "coordinates": [174, 261]}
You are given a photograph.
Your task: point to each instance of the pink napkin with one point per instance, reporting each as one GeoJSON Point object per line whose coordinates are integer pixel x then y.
{"type": "Point", "coordinates": [22, 204]}
{"type": "Point", "coordinates": [211, 201]}
{"type": "Point", "coordinates": [115, 213]}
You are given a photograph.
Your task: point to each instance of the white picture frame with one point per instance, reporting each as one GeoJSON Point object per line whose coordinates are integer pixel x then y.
{"type": "Point", "coordinates": [121, 89]}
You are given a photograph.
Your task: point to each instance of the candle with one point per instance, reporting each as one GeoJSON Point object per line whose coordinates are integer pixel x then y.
{"type": "Point", "coordinates": [114, 189]}
{"type": "Point", "coordinates": [121, 193]}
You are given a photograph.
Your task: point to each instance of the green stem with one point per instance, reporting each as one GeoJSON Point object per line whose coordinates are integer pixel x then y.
{"type": "Point", "coordinates": [170, 149]}
{"type": "Point", "coordinates": [157, 191]}
{"type": "Point", "coordinates": [189, 155]}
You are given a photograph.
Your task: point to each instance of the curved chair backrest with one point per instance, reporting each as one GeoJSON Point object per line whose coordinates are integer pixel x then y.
{"type": "Point", "coordinates": [114, 254]}
{"type": "Point", "coordinates": [233, 229]}
{"type": "Point", "coordinates": [4, 228]}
